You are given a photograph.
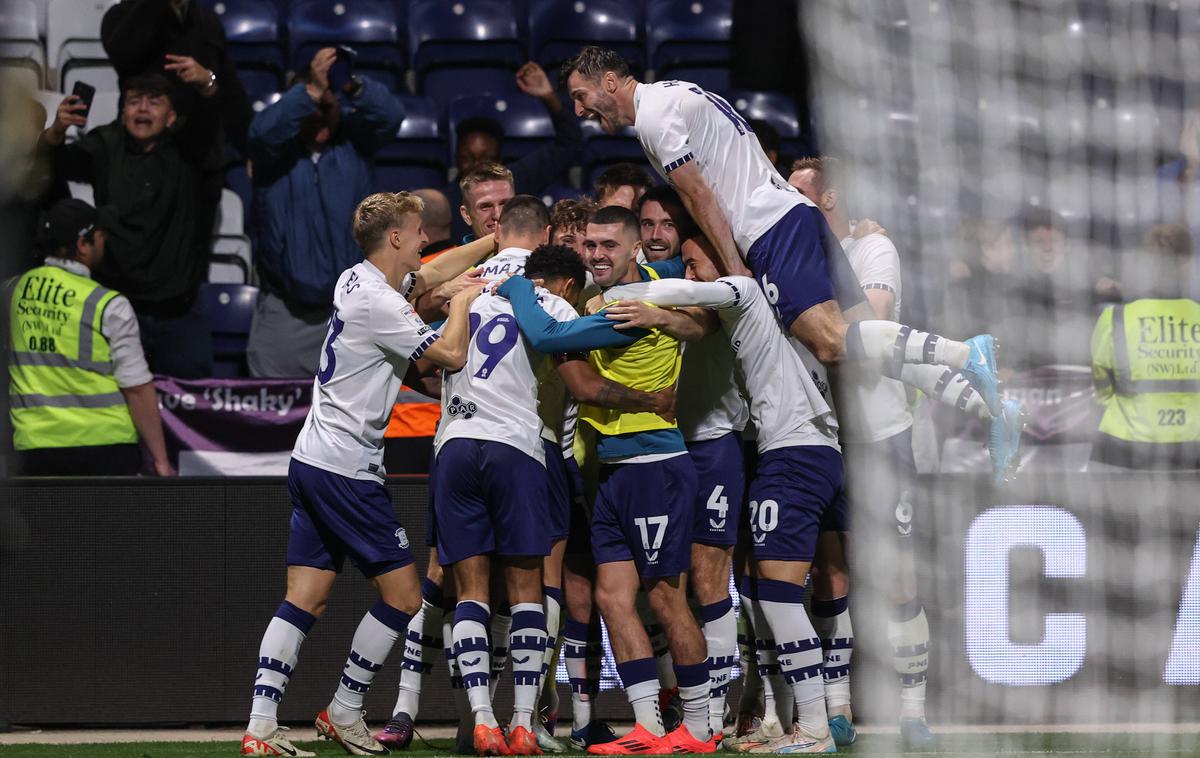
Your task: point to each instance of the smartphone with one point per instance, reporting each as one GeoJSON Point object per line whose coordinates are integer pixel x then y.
{"type": "Point", "coordinates": [85, 92]}
{"type": "Point", "coordinates": [342, 68]}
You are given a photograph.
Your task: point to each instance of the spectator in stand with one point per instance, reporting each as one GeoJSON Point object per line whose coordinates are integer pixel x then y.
{"type": "Point", "coordinates": [479, 141]}
{"type": "Point", "coordinates": [484, 191]}
{"type": "Point", "coordinates": [665, 223]}
{"type": "Point", "coordinates": [768, 139]}
{"type": "Point", "coordinates": [568, 223]}
{"type": "Point", "coordinates": [184, 39]}
{"type": "Point", "coordinates": [622, 184]}
{"type": "Point", "coordinates": [312, 153]}
{"type": "Point", "coordinates": [80, 391]}
{"type": "Point", "coordinates": [1179, 186]}
{"type": "Point", "coordinates": [435, 218]}
{"type": "Point", "coordinates": [1144, 363]}
{"type": "Point", "coordinates": [153, 173]}
{"type": "Point", "coordinates": [979, 285]}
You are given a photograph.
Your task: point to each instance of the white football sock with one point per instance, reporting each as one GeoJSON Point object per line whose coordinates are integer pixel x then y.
{"type": "Point", "coordinates": [500, 627]}
{"type": "Point", "coordinates": [799, 651]}
{"type": "Point", "coordinates": [462, 704]}
{"type": "Point", "coordinates": [583, 675]}
{"type": "Point", "coordinates": [527, 646]}
{"type": "Point", "coordinates": [473, 653]}
{"type": "Point", "coordinates": [946, 386]}
{"type": "Point", "coordinates": [641, 687]}
{"type": "Point", "coordinates": [373, 641]}
{"type": "Point", "coordinates": [831, 620]}
{"type": "Point", "coordinates": [720, 637]}
{"type": "Point", "coordinates": [277, 656]}
{"type": "Point", "coordinates": [908, 633]}
{"type": "Point", "coordinates": [890, 345]}
{"type": "Point", "coordinates": [695, 690]}
{"type": "Point", "coordinates": [421, 643]}
{"type": "Point", "coordinates": [552, 597]}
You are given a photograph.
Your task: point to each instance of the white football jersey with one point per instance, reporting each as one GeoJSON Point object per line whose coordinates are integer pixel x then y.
{"type": "Point", "coordinates": [873, 407]}
{"type": "Point", "coordinates": [495, 395]}
{"type": "Point", "coordinates": [508, 262]}
{"type": "Point", "coordinates": [677, 122]}
{"type": "Point", "coordinates": [373, 335]}
{"type": "Point", "coordinates": [558, 410]}
{"type": "Point", "coordinates": [709, 403]}
{"type": "Point", "coordinates": [787, 387]}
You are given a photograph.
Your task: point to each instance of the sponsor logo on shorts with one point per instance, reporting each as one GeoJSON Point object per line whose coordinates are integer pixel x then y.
{"type": "Point", "coordinates": [402, 538]}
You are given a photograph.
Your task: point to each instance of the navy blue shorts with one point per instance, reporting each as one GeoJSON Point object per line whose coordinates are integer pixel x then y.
{"type": "Point", "coordinates": [720, 490]}
{"type": "Point", "coordinates": [334, 516]}
{"type": "Point", "coordinates": [881, 478]}
{"type": "Point", "coordinates": [489, 497]}
{"type": "Point", "coordinates": [644, 514]}
{"type": "Point", "coordinates": [791, 492]}
{"type": "Point", "coordinates": [559, 485]}
{"type": "Point", "coordinates": [799, 263]}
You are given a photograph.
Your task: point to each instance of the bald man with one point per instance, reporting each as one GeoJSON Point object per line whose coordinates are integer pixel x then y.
{"type": "Point", "coordinates": [435, 218]}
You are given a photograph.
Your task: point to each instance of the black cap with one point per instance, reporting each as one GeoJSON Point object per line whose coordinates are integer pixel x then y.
{"type": "Point", "coordinates": [66, 221]}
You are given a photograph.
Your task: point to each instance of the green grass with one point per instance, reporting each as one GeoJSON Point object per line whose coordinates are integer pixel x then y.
{"type": "Point", "coordinates": [964, 745]}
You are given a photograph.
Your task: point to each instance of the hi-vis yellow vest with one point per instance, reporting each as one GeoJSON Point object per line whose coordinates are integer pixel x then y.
{"type": "Point", "coordinates": [1146, 368]}
{"type": "Point", "coordinates": [62, 392]}
{"type": "Point", "coordinates": [650, 364]}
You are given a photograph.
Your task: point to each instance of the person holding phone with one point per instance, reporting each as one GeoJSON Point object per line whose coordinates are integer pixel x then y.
{"type": "Point", "coordinates": [312, 153]}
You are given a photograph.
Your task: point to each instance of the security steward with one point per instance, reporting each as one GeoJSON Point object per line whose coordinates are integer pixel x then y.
{"type": "Point", "coordinates": [1146, 363]}
{"type": "Point", "coordinates": [80, 392]}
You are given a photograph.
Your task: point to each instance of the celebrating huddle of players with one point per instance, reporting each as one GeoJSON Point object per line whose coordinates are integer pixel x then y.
{"type": "Point", "coordinates": [591, 466]}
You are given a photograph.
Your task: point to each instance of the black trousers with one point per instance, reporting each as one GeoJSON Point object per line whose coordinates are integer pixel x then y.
{"type": "Point", "coordinates": [93, 460]}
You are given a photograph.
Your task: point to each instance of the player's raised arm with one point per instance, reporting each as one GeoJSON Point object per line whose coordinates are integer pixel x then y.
{"type": "Point", "coordinates": [450, 351]}
{"type": "Point", "coordinates": [450, 264]}
{"type": "Point", "coordinates": [679, 293]}
{"type": "Point", "coordinates": [701, 202]}
{"type": "Point", "coordinates": [548, 335]}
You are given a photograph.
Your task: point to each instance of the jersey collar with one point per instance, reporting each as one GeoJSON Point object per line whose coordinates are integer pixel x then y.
{"type": "Point", "coordinates": [515, 251]}
{"type": "Point", "coordinates": [373, 269]}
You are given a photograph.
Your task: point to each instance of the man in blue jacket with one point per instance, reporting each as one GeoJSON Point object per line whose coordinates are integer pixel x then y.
{"type": "Point", "coordinates": [311, 159]}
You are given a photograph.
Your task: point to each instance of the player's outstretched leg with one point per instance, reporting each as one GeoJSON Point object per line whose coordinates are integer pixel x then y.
{"type": "Point", "coordinates": [277, 656]}
{"type": "Point", "coordinates": [342, 721]}
{"type": "Point", "coordinates": [423, 640]}
{"type": "Point", "coordinates": [908, 634]}
{"type": "Point", "coordinates": [668, 693]}
{"type": "Point", "coordinates": [1004, 441]}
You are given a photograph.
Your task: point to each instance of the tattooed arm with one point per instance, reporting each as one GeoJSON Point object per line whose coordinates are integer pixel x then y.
{"type": "Point", "coordinates": [587, 386]}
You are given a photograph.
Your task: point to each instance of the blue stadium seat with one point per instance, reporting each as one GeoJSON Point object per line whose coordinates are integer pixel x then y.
{"type": "Point", "coordinates": [20, 46]}
{"type": "Point", "coordinates": [555, 192]}
{"type": "Point", "coordinates": [255, 44]}
{"type": "Point", "coordinates": [417, 157]}
{"type": "Point", "coordinates": [601, 150]}
{"type": "Point", "coordinates": [464, 47]}
{"type": "Point", "coordinates": [689, 40]}
{"type": "Point", "coordinates": [777, 110]}
{"type": "Point", "coordinates": [526, 123]}
{"type": "Point", "coordinates": [557, 30]}
{"type": "Point", "coordinates": [371, 27]}
{"type": "Point", "coordinates": [73, 49]}
{"type": "Point", "coordinates": [230, 310]}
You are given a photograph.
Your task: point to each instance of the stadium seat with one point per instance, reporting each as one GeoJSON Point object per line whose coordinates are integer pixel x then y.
{"type": "Point", "coordinates": [777, 110]}
{"type": "Point", "coordinates": [601, 150]}
{"type": "Point", "coordinates": [557, 30]}
{"type": "Point", "coordinates": [252, 34]}
{"type": "Point", "coordinates": [526, 123]}
{"type": "Point", "coordinates": [555, 192]}
{"type": "Point", "coordinates": [371, 27]}
{"type": "Point", "coordinates": [232, 261]}
{"type": "Point", "coordinates": [73, 49]}
{"type": "Point", "coordinates": [230, 310]}
{"type": "Point", "coordinates": [465, 47]}
{"type": "Point", "coordinates": [20, 46]}
{"type": "Point", "coordinates": [417, 157]}
{"type": "Point", "coordinates": [689, 40]}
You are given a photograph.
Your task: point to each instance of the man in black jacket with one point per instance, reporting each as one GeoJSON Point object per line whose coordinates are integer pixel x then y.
{"type": "Point", "coordinates": [157, 250]}
{"type": "Point", "coordinates": [479, 140]}
{"type": "Point", "coordinates": [185, 40]}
